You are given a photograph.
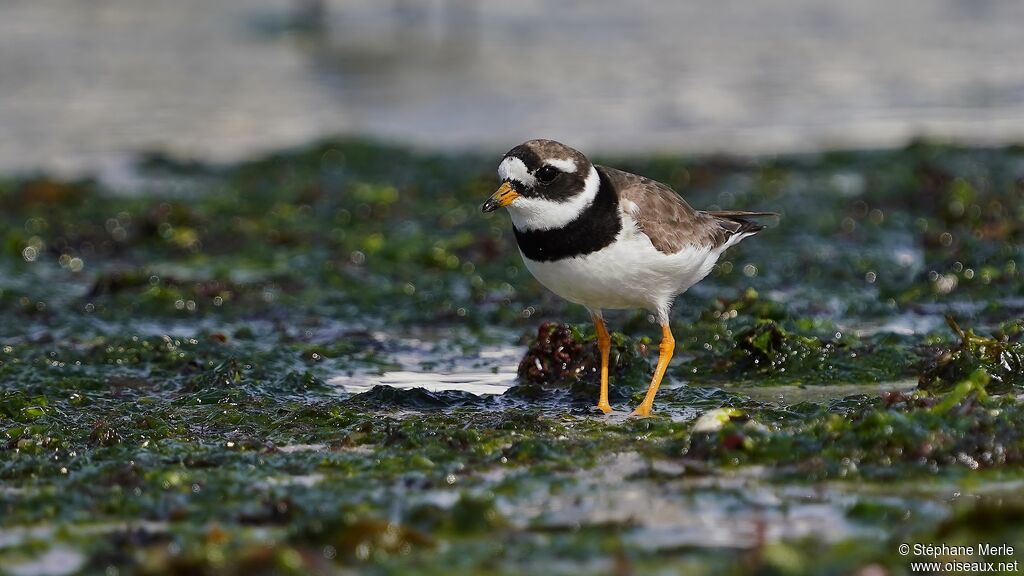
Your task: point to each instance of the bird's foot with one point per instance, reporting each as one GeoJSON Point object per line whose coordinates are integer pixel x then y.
{"type": "Point", "coordinates": [604, 407]}
{"type": "Point", "coordinates": [642, 411]}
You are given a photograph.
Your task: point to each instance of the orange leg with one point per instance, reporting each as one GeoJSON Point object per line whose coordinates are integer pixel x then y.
{"type": "Point", "coordinates": [665, 350]}
{"type": "Point", "coordinates": [604, 343]}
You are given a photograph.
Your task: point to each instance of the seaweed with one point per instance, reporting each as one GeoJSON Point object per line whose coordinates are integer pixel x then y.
{"type": "Point", "coordinates": [561, 354]}
{"type": "Point", "coordinates": [1001, 356]}
{"type": "Point", "coordinates": [175, 368]}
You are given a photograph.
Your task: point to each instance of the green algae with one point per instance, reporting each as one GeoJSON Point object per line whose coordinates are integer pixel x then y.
{"type": "Point", "coordinates": [754, 341]}
{"type": "Point", "coordinates": [1001, 356]}
{"type": "Point", "coordinates": [167, 364]}
{"type": "Point", "coordinates": [886, 437]}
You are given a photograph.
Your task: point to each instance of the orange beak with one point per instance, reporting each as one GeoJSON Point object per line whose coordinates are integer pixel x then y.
{"type": "Point", "coordinates": [501, 198]}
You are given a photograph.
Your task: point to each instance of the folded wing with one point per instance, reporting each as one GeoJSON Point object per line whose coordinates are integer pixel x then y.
{"type": "Point", "coordinates": [671, 223]}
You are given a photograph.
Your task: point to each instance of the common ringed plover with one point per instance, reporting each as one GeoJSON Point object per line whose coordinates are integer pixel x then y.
{"type": "Point", "coordinates": [605, 238]}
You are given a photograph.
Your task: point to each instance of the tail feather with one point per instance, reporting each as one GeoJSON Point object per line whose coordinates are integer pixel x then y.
{"type": "Point", "coordinates": [739, 214]}
{"type": "Point", "coordinates": [737, 221]}
{"type": "Point", "coordinates": [737, 224]}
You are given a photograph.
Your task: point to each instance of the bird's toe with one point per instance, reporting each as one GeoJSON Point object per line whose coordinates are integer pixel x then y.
{"type": "Point", "coordinates": [642, 411]}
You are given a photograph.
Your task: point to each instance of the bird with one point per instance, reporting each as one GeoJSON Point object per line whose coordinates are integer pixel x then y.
{"type": "Point", "coordinates": [608, 239]}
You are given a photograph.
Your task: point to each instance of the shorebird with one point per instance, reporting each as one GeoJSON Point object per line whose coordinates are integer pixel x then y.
{"type": "Point", "coordinates": [608, 239]}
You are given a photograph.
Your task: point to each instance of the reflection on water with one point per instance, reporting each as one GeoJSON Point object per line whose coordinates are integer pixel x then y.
{"type": "Point", "coordinates": [490, 371]}
{"type": "Point", "coordinates": [84, 82]}
{"type": "Point", "coordinates": [675, 509]}
{"type": "Point", "coordinates": [472, 382]}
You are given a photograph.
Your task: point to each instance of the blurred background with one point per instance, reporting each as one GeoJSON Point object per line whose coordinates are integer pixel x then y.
{"type": "Point", "coordinates": [85, 83]}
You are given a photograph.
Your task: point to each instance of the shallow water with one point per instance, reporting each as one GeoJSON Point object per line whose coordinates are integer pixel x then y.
{"type": "Point", "coordinates": [56, 561]}
{"type": "Point", "coordinates": [87, 83]}
{"type": "Point", "coordinates": [663, 514]}
{"type": "Point", "coordinates": [787, 395]}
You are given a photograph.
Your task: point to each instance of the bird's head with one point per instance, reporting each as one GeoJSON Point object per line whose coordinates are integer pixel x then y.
{"type": "Point", "coordinates": [544, 184]}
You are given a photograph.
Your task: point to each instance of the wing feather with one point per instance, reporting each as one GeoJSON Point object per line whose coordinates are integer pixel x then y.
{"type": "Point", "coordinates": [671, 223]}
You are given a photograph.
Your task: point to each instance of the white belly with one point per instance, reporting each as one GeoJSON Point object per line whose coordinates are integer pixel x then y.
{"type": "Point", "coordinates": [629, 273]}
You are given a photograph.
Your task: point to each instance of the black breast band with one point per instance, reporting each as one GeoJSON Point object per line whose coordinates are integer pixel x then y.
{"type": "Point", "coordinates": [595, 227]}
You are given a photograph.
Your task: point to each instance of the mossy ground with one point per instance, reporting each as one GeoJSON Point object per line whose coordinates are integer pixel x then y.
{"type": "Point", "coordinates": [168, 359]}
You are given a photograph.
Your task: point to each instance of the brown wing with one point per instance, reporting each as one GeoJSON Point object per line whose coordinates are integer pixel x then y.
{"type": "Point", "coordinates": [664, 216]}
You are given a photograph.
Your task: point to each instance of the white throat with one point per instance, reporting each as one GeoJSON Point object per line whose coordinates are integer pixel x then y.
{"type": "Point", "coordinates": [543, 214]}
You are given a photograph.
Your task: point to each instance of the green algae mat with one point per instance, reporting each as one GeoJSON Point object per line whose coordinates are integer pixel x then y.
{"type": "Point", "coordinates": [328, 361]}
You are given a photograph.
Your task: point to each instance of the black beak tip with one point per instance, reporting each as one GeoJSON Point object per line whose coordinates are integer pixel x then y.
{"type": "Point", "coordinates": [489, 206]}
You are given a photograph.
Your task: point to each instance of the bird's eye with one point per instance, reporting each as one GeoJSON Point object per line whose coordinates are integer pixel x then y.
{"type": "Point", "coordinates": [547, 173]}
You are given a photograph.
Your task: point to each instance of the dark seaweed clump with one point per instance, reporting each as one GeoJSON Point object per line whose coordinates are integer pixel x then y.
{"type": "Point", "coordinates": [561, 354]}
{"type": "Point", "coordinates": [767, 346]}
{"type": "Point", "coordinates": [563, 366]}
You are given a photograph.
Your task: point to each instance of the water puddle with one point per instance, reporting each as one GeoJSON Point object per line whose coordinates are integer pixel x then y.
{"type": "Point", "coordinates": [737, 511]}
{"type": "Point", "coordinates": [473, 382]}
{"type": "Point", "coordinates": [794, 394]}
{"type": "Point", "coordinates": [906, 324]}
{"type": "Point", "coordinates": [56, 561]}
{"type": "Point", "coordinates": [490, 371]}
{"type": "Point", "coordinates": [304, 480]}
{"type": "Point", "coordinates": [290, 448]}
{"type": "Point", "coordinates": [16, 535]}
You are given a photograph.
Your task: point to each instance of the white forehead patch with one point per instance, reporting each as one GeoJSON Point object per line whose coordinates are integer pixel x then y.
{"type": "Point", "coordinates": [563, 164]}
{"type": "Point", "coordinates": [543, 214]}
{"type": "Point", "coordinates": [512, 168]}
